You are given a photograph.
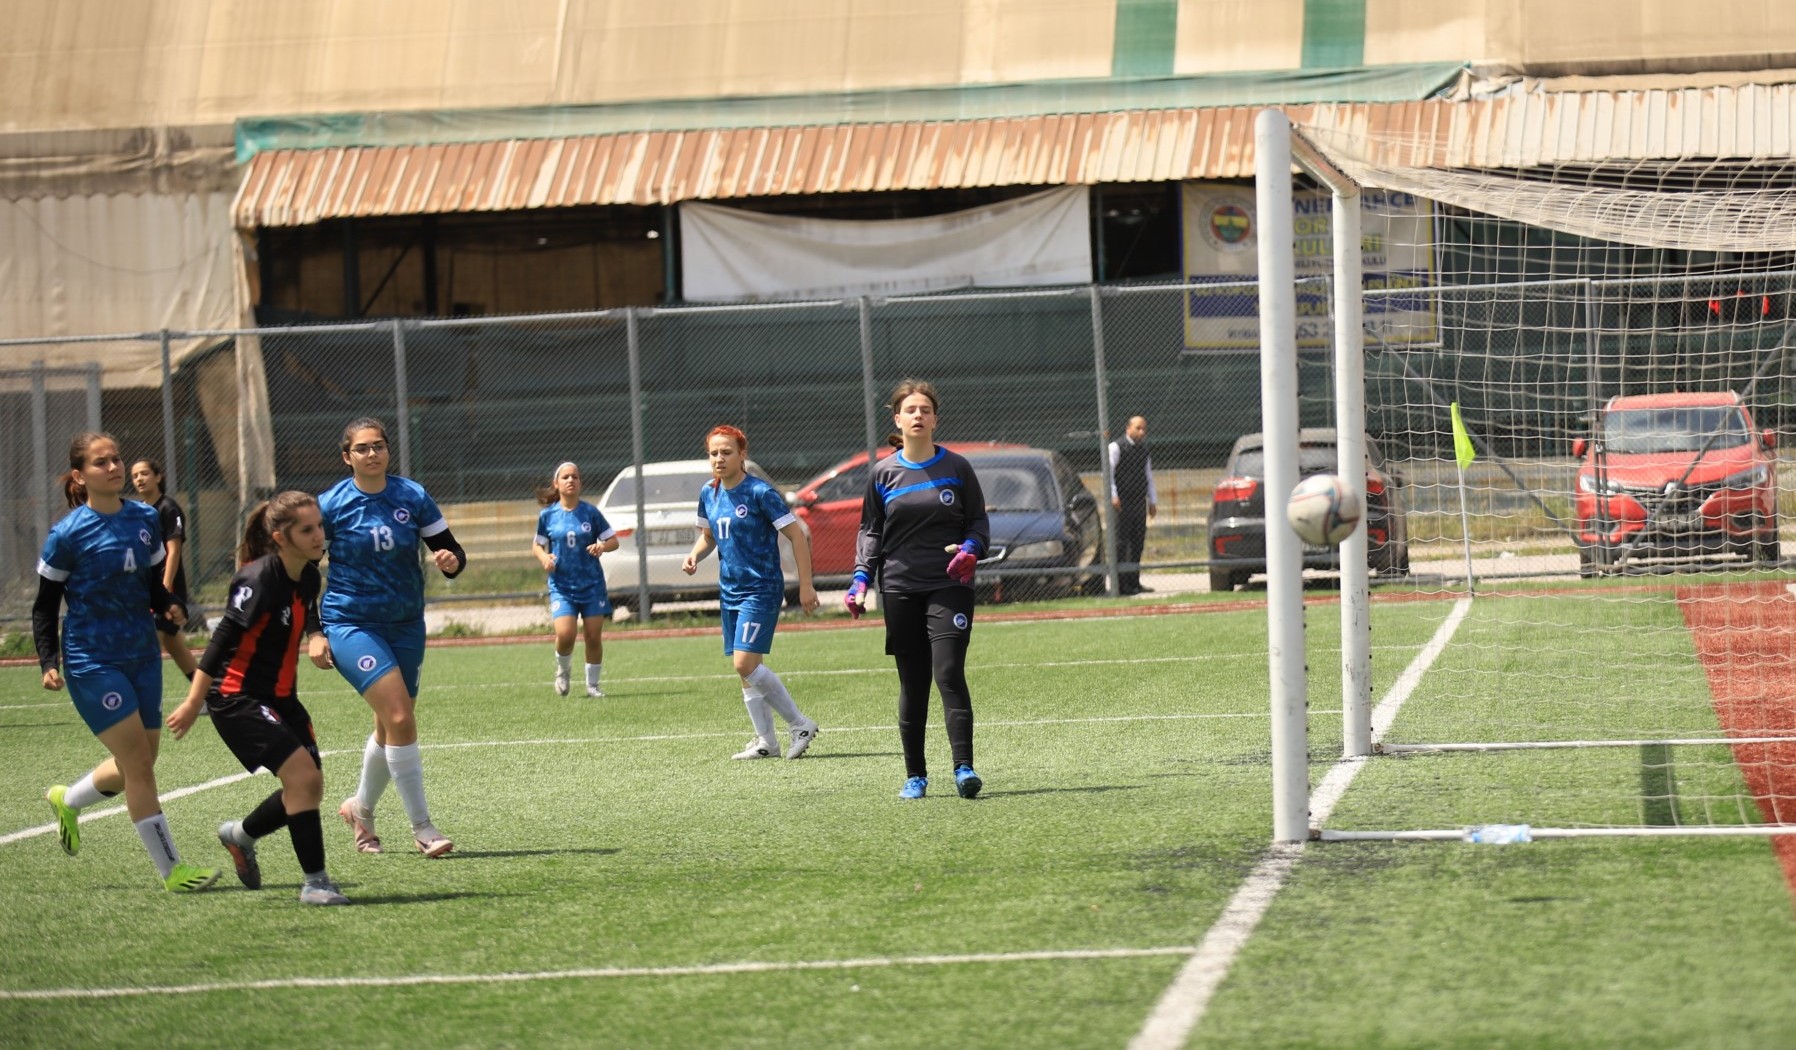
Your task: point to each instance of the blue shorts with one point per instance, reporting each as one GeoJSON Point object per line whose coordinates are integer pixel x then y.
{"type": "Point", "coordinates": [363, 652]}
{"type": "Point", "coordinates": [106, 696]}
{"type": "Point", "coordinates": [748, 626]}
{"type": "Point", "coordinates": [596, 603]}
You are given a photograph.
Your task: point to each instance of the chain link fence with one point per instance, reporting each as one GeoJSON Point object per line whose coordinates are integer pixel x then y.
{"type": "Point", "coordinates": [481, 410]}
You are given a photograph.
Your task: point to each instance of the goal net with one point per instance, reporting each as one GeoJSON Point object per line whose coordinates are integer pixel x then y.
{"type": "Point", "coordinates": [1597, 632]}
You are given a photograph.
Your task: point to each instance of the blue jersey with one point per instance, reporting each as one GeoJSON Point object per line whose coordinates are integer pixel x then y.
{"type": "Point", "coordinates": [100, 559]}
{"type": "Point", "coordinates": [374, 575]}
{"type": "Point", "coordinates": [745, 521]}
{"type": "Point", "coordinates": [566, 534]}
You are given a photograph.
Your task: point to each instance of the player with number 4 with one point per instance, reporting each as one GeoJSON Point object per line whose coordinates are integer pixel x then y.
{"type": "Point", "coordinates": [373, 613]}
{"type": "Point", "coordinates": [742, 517]}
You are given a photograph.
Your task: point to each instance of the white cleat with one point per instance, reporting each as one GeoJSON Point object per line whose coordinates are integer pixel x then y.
{"type": "Point", "coordinates": [321, 893]}
{"type": "Point", "coordinates": [803, 735]}
{"type": "Point", "coordinates": [757, 748]}
{"type": "Point", "coordinates": [561, 682]}
{"type": "Point", "coordinates": [593, 690]}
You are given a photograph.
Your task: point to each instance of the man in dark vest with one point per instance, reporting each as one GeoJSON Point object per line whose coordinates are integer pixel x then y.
{"type": "Point", "coordinates": [1132, 494]}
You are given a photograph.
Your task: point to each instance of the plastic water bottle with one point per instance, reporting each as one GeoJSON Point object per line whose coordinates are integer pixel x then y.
{"type": "Point", "coordinates": [1498, 834]}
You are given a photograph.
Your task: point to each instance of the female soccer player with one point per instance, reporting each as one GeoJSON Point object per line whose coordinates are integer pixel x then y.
{"type": "Point", "coordinates": [570, 536]}
{"type": "Point", "coordinates": [742, 518]}
{"type": "Point", "coordinates": [373, 613]}
{"type": "Point", "coordinates": [104, 558]}
{"type": "Point", "coordinates": [923, 526]}
{"type": "Point", "coordinates": [247, 682]}
{"type": "Point", "coordinates": [147, 477]}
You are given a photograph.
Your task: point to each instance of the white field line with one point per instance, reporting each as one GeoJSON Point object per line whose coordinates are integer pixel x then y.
{"type": "Point", "coordinates": [1183, 1003]}
{"type": "Point", "coordinates": [113, 811]}
{"type": "Point", "coordinates": [592, 973]}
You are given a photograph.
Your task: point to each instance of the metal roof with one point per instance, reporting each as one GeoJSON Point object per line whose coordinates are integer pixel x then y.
{"type": "Point", "coordinates": [300, 187]}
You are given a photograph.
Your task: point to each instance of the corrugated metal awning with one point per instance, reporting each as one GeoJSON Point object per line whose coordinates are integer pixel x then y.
{"type": "Point", "coordinates": [300, 187]}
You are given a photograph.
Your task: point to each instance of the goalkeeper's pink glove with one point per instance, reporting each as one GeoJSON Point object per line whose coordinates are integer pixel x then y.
{"type": "Point", "coordinates": [856, 598]}
{"type": "Point", "coordinates": [960, 567]}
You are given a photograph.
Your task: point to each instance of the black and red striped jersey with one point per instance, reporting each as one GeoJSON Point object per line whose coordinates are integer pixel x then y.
{"type": "Point", "coordinates": [255, 648]}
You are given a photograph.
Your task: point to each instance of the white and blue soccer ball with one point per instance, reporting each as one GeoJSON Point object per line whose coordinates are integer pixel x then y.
{"type": "Point", "coordinates": [1323, 510]}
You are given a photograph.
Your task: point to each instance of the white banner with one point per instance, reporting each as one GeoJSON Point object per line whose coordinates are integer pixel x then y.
{"type": "Point", "coordinates": [731, 255]}
{"type": "Point", "coordinates": [1222, 302]}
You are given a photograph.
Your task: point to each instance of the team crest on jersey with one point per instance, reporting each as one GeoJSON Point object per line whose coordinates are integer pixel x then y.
{"type": "Point", "coordinates": [112, 701]}
{"type": "Point", "coordinates": [947, 497]}
{"type": "Point", "coordinates": [401, 515]}
{"type": "Point", "coordinates": [741, 511]}
{"type": "Point", "coordinates": [242, 597]}
{"type": "Point", "coordinates": [960, 621]}
{"type": "Point", "coordinates": [366, 663]}
{"type": "Point", "coordinates": [586, 527]}
{"type": "Point", "coordinates": [143, 536]}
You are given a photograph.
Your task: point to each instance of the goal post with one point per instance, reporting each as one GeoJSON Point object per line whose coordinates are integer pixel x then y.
{"type": "Point", "coordinates": [1569, 383]}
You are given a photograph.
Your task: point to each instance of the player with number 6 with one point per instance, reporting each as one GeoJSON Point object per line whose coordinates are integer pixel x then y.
{"type": "Point", "coordinates": [373, 613]}
{"type": "Point", "coordinates": [570, 535]}
{"type": "Point", "coordinates": [742, 518]}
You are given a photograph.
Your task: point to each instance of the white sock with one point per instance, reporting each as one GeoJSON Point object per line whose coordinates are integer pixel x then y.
{"type": "Point", "coordinates": [375, 774]}
{"type": "Point", "coordinates": [407, 764]}
{"type": "Point", "coordinates": [82, 793]}
{"type": "Point", "coordinates": [759, 713]}
{"type": "Point", "coordinates": [240, 836]}
{"type": "Point", "coordinates": [592, 674]}
{"type": "Point", "coordinates": [775, 691]}
{"type": "Point", "coordinates": [154, 833]}
{"type": "Point", "coordinates": [564, 662]}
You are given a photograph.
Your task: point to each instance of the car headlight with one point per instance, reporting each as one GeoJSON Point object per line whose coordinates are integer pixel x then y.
{"type": "Point", "coordinates": [1748, 479]}
{"type": "Point", "coordinates": [1587, 483]}
{"type": "Point", "coordinates": [1046, 549]}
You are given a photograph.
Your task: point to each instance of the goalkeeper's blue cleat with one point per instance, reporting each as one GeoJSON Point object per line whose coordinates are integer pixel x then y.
{"type": "Point", "coordinates": [915, 787]}
{"type": "Point", "coordinates": [68, 820]}
{"type": "Point", "coordinates": [967, 782]}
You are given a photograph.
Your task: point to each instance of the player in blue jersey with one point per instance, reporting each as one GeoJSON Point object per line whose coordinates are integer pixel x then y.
{"type": "Point", "coordinates": [373, 613]}
{"type": "Point", "coordinates": [923, 527]}
{"type": "Point", "coordinates": [743, 518]}
{"type": "Point", "coordinates": [105, 560]}
{"type": "Point", "coordinates": [570, 536]}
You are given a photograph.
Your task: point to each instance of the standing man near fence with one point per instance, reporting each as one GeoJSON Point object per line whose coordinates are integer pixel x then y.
{"type": "Point", "coordinates": [1132, 494]}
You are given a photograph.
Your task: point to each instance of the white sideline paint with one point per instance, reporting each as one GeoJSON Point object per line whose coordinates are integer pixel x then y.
{"type": "Point", "coordinates": [592, 974]}
{"type": "Point", "coordinates": [1183, 1003]}
{"type": "Point", "coordinates": [113, 811]}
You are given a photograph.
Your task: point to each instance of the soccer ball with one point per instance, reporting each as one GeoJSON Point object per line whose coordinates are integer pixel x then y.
{"type": "Point", "coordinates": [1323, 510]}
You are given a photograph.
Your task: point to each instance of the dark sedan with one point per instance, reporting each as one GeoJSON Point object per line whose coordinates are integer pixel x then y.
{"type": "Point", "coordinates": [1237, 545]}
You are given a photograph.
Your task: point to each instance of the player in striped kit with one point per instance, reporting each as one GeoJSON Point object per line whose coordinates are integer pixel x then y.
{"type": "Point", "coordinates": [742, 517]}
{"type": "Point", "coordinates": [105, 559]}
{"type": "Point", "coordinates": [247, 682]}
{"type": "Point", "coordinates": [570, 535]}
{"type": "Point", "coordinates": [373, 613]}
{"type": "Point", "coordinates": [923, 527]}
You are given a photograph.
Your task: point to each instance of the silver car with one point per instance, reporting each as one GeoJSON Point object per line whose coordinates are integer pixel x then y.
{"type": "Point", "coordinates": [669, 493]}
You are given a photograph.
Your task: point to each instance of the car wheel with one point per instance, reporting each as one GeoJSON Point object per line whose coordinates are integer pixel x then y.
{"type": "Point", "coordinates": [1222, 580]}
{"type": "Point", "coordinates": [1766, 549]}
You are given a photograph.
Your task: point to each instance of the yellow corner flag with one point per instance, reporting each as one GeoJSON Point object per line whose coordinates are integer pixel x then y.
{"type": "Point", "coordinates": [1462, 441]}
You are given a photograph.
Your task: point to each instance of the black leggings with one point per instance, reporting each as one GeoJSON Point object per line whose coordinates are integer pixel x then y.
{"type": "Point", "coordinates": [946, 663]}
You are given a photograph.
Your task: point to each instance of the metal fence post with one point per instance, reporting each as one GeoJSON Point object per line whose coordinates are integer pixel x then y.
{"type": "Point", "coordinates": [1112, 584]}
{"type": "Point", "coordinates": [171, 479]}
{"type": "Point", "coordinates": [40, 455]}
{"type": "Point", "coordinates": [634, 339]}
{"type": "Point", "coordinates": [869, 394]}
{"type": "Point", "coordinates": [404, 398]}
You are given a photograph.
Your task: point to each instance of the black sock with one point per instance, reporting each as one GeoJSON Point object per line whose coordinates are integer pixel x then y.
{"type": "Point", "coordinates": [308, 840]}
{"type": "Point", "coordinates": [267, 818]}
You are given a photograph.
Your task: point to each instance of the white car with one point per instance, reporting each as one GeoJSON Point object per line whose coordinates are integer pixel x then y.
{"type": "Point", "coordinates": [670, 517]}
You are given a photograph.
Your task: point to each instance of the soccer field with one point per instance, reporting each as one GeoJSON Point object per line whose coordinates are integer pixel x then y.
{"type": "Point", "coordinates": [619, 881]}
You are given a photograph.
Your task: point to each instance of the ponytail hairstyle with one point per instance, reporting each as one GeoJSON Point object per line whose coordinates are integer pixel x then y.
{"type": "Point", "coordinates": [267, 518]}
{"type": "Point", "coordinates": [547, 493]}
{"type": "Point", "coordinates": [734, 434]}
{"type": "Point", "coordinates": [903, 390]}
{"type": "Point", "coordinates": [364, 423]}
{"type": "Point", "coordinates": [73, 488]}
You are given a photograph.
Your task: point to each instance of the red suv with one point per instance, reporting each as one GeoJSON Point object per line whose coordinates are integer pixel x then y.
{"type": "Point", "coordinates": [1677, 474]}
